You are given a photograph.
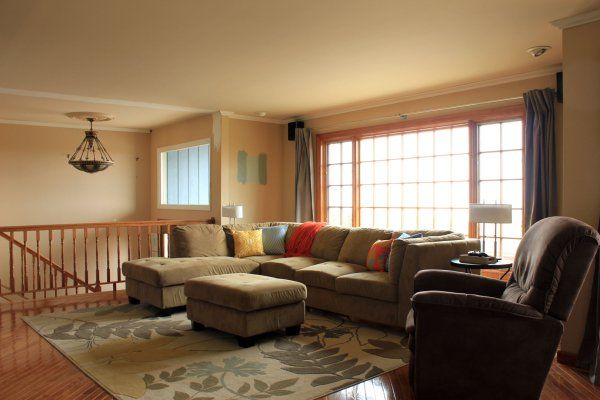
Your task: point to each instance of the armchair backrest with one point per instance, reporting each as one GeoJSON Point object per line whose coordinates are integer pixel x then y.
{"type": "Point", "coordinates": [550, 265]}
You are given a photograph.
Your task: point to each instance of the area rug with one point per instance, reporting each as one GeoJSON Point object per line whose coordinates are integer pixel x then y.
{"type": "Point", "coordinates": [135, 355]}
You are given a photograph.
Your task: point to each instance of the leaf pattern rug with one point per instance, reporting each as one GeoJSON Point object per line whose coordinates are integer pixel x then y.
{"type": "Point", "coordinates": [135, 355]}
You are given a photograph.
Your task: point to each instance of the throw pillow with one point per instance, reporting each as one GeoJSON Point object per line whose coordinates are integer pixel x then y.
{"type": "Point", "coordinates": [378, 255]}
{"type": "Point", "coordinates": [247, 243]}
{"type": "Point", "coordinates": [273, 238]}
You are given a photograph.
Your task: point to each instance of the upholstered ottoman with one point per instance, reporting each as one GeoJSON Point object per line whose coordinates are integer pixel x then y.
{"type": "Point", "coordinates": [245, 305]}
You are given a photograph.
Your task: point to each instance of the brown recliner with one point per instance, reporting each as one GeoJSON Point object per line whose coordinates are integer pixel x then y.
{"type": "Point", "coordinates": [473, 337]}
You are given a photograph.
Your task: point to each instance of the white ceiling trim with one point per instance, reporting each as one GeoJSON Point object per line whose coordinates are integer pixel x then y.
{"type": "Point", "coordinates": [98, 100]}
{"type": "Point", "coordinates": [72, 126]}
{"type": "Point", "coordinates": [577, 20]}
{"type": "Point", "coordinates": [432, 93]}
{"type": "Point", "coordinates": [256, 119]}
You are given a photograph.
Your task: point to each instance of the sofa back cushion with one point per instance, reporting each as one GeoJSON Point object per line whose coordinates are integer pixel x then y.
{"type": "Point", "coordinates": [426, 233]}
{"type": "Point", "coordinates": [201, 240]}
{"type": "Point", "coordinates": [399, 248]}
{"type": "Point", "coordinates": [358, 242]}
{"type": "Point", "coordinates": [328, 242]}
{"type": "Point", "coordinates": [229, 228]}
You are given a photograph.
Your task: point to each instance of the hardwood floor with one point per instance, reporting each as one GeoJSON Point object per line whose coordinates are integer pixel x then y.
{"type": "Point", "coordinates": [30, 368]}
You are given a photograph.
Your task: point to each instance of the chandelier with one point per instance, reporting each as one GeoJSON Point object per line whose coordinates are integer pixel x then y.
{"type": "Point", "coordinates": [90, 156]}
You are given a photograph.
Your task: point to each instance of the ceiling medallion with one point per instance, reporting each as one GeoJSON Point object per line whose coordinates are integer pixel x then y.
{"type": "Point", "coordinates": [90, 156]}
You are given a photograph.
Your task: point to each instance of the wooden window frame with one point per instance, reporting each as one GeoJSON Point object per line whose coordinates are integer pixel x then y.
{"type": "Point", "coordinates": [470, 118]}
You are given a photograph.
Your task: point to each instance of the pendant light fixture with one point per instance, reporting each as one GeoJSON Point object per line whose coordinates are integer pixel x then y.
{"type": "Point", "coordinates": [90, 156]}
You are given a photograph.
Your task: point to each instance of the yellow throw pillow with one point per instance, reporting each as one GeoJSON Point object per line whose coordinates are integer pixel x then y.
{"type": "Point", "coordinates": [247, 243]}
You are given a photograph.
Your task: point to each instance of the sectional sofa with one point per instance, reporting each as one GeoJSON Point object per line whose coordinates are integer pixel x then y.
{"type": "Point", "coordinates": [335, 273]}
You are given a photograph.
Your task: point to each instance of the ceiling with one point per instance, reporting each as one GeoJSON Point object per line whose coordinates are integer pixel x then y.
{"type": "Point", "coordinates": [151, 62]}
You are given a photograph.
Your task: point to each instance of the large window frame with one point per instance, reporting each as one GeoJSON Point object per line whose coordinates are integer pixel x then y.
{"type": "Point", "coordinates": [162, 173]}
{"type": "Point", "coordinates": [471, 119]}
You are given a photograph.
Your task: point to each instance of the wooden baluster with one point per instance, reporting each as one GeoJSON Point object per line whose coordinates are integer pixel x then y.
{"type": "Point", "coordinates": [85, 260]}
{"type": "Point", "coordinates": [62, 260]}
{"type": "Point", "coordinates": [37, 263]}
{"type": "Point", "coordinates": [139, 241]}
{"type": "Point", "coordinates": [168, 252]}
{"type": "Point", "coordinates": [128, 245]}
{"type": "Point", "coordinates": [97, 230]}
{"type": "Point", "coordinates": [149, 237]}
{"type": "Point", "coordinates": [24, 262]}
{"type": "Point", "coordinates": [53, 273]}
{"type": "Point", "coordinates": [118, 254]}
{"type": "Point", "coordinates": [75, 261]}
{"type": "Point", "coordinates": [108, 254]}
{"type": "Point", "coordinates": [11, 248]}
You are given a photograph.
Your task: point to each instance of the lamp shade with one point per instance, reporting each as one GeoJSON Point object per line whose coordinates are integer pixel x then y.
{"type": "Point", "coordinates": [490, 213]}
{"type": "Point", "coordinates": [233, 211]}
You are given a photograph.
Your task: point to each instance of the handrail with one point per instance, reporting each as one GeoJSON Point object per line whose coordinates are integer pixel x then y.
{"type": "Point", "coordinates": [104, 224]}
{"type": "Point", "coordinates": [68, 259]}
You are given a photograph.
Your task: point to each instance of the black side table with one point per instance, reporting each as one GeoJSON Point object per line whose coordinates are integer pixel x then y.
{"type": "Point", "coordinates": [468, 267]}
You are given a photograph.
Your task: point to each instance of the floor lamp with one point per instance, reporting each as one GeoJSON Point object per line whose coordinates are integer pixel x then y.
{"type": "Point", "coordinates": [490, 214]}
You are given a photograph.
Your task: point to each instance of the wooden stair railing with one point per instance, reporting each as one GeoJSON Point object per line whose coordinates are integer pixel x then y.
{"type": "Point", "coordinates": [66, 259]}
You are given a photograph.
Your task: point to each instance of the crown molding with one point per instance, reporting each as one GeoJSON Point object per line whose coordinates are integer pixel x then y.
{"type": "Point", "coordinates": [72, 126]}
{"type": "Point", "coordinates": [432, 93]}
{"type": "Point", "coordinates": [577, 20]}
{"type": "Point", "coordinates": [256, 119]}
{"type": "Point", "coordinates": [98, 100]}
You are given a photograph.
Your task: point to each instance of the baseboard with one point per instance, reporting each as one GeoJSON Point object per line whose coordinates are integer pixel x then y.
{"type": "Point", "coordinates": [566, 358]}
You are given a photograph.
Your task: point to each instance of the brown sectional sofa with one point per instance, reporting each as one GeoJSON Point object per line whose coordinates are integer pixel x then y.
{"type": "Point", "coordinates": [335, 274]}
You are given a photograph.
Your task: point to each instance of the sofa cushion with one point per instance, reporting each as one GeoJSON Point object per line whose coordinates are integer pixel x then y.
{"type": "Point", "coordinates": [264, 259]}
{"type": "Point", "coordinates": [159, 272]}
{"type": "Point", "coordinates": [377, 258]}
{"type": "Point", "coordinates": [273, 238]}
{"type": "Point", "coordinates": [229, 228]}
{"type": "Point", "coordinates": [374, 285]}
{"type": "Point", "coordinates": [328, 242]}
{"type": "Point", "coordinates": [426, 233]}
{"type": "Point", "coordinates": [245, 292]}
{"type": "Point", "coordinates": [358, 242]}
{"type": "Point", "coordinates": [324, 275]}
{"type": "Point", "coordinates": [285, 268]}
{"type": "Point", "coordinates": [198, 240]}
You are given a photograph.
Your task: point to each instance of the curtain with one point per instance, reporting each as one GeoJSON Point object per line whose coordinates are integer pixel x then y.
{"type": "Point", "coordinates": [305, 210]}
{"type": "Point", "coordinates": [540, 156]}
{"type": "Point", "coordinates": [589, 352]}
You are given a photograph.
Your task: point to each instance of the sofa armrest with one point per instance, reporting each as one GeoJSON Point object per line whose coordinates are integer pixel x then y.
{"type": "Point", "coordinates": [425, 255]}
{"type": "Point", "coordinates": [458, 282]}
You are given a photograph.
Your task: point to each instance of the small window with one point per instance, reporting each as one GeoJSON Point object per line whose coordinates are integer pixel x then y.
{"type": "Point", "coordinates": [184, 178]}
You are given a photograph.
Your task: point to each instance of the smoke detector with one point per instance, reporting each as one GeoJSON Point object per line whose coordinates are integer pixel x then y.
{"type": "Point", "coordinates": [537, 51]}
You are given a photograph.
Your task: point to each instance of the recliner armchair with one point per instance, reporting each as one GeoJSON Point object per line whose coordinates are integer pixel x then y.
{"type": "Point", "coordinates": [473, 337]}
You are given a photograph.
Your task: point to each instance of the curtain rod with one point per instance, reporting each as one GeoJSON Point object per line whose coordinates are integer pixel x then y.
{"type": "Point", "coordinates": [405, 116]}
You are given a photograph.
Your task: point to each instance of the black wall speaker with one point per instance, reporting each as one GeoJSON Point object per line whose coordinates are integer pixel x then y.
{"type": "Point", "coordinates": [559, 87]}
{"type": "Point", "coordinates": [292, 129]}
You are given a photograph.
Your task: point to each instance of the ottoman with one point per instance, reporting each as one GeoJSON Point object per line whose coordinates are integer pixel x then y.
{"type": "Point", "coordinates": [245, 305]}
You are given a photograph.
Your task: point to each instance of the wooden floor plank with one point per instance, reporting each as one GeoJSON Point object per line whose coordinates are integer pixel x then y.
{"type": "Point", "coordinates": [30, 368]}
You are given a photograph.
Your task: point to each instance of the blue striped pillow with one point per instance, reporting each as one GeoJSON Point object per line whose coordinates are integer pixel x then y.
{"type": "Point", "coordinates": [274, 239]}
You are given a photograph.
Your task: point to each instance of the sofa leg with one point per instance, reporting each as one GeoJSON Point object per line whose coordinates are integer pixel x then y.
{"type": "Point", "coordinates": [133, 300]}
{"type": "Point", "coordinates": [292, 330]}
{"type": "Point", "coordinates": [197, 326]}
{"type": "Point", "coordinates": [246, 341]}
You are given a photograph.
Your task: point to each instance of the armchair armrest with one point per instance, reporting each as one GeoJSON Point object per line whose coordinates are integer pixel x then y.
{"type": "Point", "coordinates": [473, 303]}
{"type": "Point", "coordinates": [462, 343]}
{"type": "Point", "coordinates": [458, 282]}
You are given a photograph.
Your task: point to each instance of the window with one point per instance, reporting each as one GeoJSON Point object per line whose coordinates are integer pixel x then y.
{"type": "Point", "coordinates": [184, 176]}
{"type": "Point", "coordinates": [415, 175]}
{"type": "Point", "coordinates": [418, 179]}
{"type": "Point", "coordinates": [500, 180]}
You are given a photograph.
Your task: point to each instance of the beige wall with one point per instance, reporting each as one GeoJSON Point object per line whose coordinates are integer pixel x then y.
{"type": "Point", "coordinates": [580, 150]}
{"type": "Point", "coordinates": [39, 187]}
{"type": "Point", "coordinates": [261, 202]}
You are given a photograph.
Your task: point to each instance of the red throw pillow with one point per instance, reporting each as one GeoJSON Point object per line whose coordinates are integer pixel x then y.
{"type": "Point", "coordinates": [378, 255]}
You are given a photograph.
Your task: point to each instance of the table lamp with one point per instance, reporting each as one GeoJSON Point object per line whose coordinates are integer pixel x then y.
{"type": "Point", "coordinates": [233, 211]}
{"type": "Point", "coordinates": [490, 214]}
